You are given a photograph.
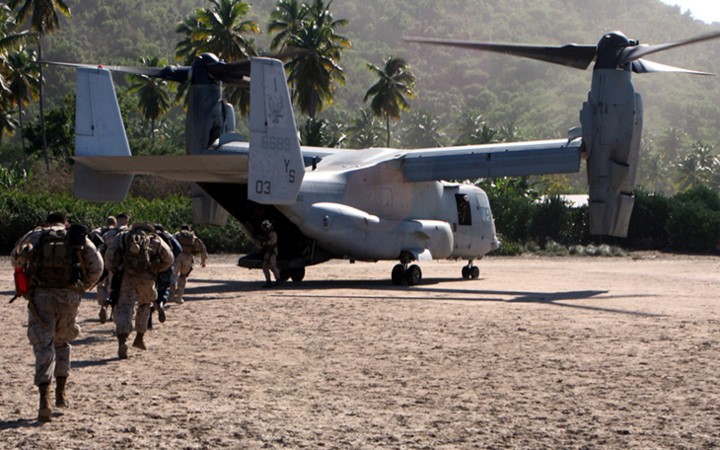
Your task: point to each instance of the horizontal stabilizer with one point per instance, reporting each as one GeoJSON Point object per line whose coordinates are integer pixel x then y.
{"type": "Point", "coordinates": [99, 130]}
{"type": "Point", "coordinates": [212, 168]}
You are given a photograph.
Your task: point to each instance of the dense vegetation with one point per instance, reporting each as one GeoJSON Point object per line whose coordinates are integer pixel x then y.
{"type": "Point", "coordinates": [457, 96]}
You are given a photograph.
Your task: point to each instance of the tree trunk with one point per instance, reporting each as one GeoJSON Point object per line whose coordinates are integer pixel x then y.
{"type": "Point", "coordinates": [22, 137]}
{"type": "Point", "coordinates": [42, 115]}
{"type": "Point", "coordinates": [387, 124]}
{"type": "Point", "coordinates": [313, 105]}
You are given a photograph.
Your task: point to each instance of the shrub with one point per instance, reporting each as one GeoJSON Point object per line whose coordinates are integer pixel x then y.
{"type": "Point", "coordinates": [694, 220]}
{"type": "Point", "coordinates": [648, 223]}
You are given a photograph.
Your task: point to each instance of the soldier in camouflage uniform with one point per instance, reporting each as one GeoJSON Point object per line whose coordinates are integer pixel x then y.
{"type": "Point", "coordinates": [269, 251]}
{"type": "Point", "coordinates": [60, 263]}
{"type": "Point", "coordinates": [137, 255]}
{"type": "Point", "coordinates": [123, 220]}
{"type": "Point", "coordinates": [103, 286]}
{"type": "Point", "coordinates": [191, 246]}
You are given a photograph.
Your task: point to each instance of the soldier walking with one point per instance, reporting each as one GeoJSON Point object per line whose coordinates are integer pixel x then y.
{"type": "Point", "coordinates": [103, 286]}
{"type": "Point", "coordinates": [60, 263]}
{"type": "Point", "coordinates": [269, 251]}
{"type": "Point", "coordinates": [191, 246]}
{"type": "Point", "coordinates": [123, 220]}
{"type": "Point", "coordinates": [136, 256]}
{"type": "Point", "coordinates": [164, 278]}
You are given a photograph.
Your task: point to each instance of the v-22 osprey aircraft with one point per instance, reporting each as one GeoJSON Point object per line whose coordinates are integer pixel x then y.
{"type": "Point", "coordinates": [372, 204]}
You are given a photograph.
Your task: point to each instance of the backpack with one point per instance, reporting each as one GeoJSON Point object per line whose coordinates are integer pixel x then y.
{"type": "Point", "coordinates": [187, 241]}
{"type": "Point", "coordinates": [137, 248]}
{"type": "Point", "coordinates": [98, 238]}
{"type": "Point", "coordinates": [171, 242]}
{"type": "Point", "coordinates": [55, 260]}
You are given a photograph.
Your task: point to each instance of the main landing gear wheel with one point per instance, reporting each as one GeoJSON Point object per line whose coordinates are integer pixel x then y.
{"type": "Point", "coordinates": [413, 275]}
{"type": "Point", "coordinates": [400, 275]}
{"type": "Point", "coordinates": [296, 274]}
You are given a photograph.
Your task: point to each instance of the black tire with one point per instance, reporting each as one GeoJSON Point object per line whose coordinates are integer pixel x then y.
{"type": "Point", "coordinates": [285, 274]}
{"type": "Point", "coordinates": [398, 274]}
{"type": "Point", "coordinates": [413, 275]}
{"type": "Point", "coordinates": [297, 275]}
{"type": "Point", "coordinates": [475, 272]}
{"type": "Point", "coordinates": [466, 272]}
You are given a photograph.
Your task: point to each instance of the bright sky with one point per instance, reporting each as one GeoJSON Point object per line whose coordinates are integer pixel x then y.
{"type": "Point", "coordinates": [705, 10]}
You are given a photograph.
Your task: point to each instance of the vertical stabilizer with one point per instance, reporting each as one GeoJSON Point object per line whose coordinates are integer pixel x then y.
{"type": "Point", "coordinates": [276, 166]}
{"type": "Point", "coordinates": [99, 131]}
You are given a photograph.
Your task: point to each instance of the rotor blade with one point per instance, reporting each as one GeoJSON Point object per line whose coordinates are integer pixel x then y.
{"type": "Point", "coordinates": [230, 73]}
{"type": "Point", "coordinates": [645, 66]}
{"type": "Point", "coordinates": [572, 55]}
{"type": "Point", "coordinates": [637, 52]}
{"type": "Point", "coordinates": [170, 73]}
{"type": "Point", "coordinates": [238, 72]}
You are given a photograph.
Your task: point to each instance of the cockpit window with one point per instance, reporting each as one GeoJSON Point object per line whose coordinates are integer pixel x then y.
{"type": "Point", "coordinates": [485, 214]}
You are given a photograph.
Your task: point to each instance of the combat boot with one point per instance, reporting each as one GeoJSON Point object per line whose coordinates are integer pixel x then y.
{"type": "Point", "coordinates": [161, 311]}
{"type": "Point", "coordinates": [44, 412]}
{"type": "Point", "coordinates": [138, 342]}
{"type": "Point", "coordinates": [60, 394]}
{"type": "Point", "coordinates": [122, 346]}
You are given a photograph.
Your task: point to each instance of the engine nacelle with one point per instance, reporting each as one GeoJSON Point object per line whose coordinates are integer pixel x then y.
{"type": "Point", "coordinates": [612, 126]}
{"type": "Point", "coordinates": [343, 230]}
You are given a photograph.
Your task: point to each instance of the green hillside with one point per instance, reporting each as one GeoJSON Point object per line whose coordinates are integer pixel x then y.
{"type": "Point", "coordinates": [539, 98]}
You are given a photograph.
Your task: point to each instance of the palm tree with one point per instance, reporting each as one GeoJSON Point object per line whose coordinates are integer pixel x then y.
{"type": "Point", "coordinates": [320, 133]}
{"type": "Point", "coordinates": [474, 130]}
{"type": "Point", "coordinates": [672, 141]}
{"type": "Point", "coordinates": [8, 124]}
{"type": "Point", "coordinates": [10, 39]}
{"type": "Point", "coordinates": [223, 27]}
{"type": "Point", "coordinates": [696, 167]}
{"type": "Point", "coordinates": [154, 96]}
{"type": "Point", "coordinates": [219, 30]}
{"type": "Point", "coordinates": [364, 131]}
{"type": "Point", "coordinates": [314, 72]}
{"type": "Point", "coordinates": [395, 83]}
{"type": "Point", "coordinates": [423, 131]}
{"type": "Point", "coordinates": [43, 20]}
{"type": "Point", "coordinates": [286, 20]}
{"type": "Point", "coordinates": [24, 83]}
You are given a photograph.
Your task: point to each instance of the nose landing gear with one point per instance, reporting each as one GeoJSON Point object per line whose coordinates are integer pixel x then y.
{"type": "Point", "coordinates": [470, 271]}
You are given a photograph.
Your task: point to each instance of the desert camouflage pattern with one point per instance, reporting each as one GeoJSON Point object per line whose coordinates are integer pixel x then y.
{"type": "Point", "coordinates": [52, 312]}
{"type": "Point", "coordinates": [183, 266]}
{"type": "Point", "coordinates": [137, 291]}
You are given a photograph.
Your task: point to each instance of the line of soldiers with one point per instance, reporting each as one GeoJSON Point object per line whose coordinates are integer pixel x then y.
{"type": "Point", "coordinates": [134, 267]}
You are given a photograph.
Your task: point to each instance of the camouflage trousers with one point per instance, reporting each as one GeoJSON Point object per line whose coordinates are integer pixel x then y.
{"type": "Point", "coordinates": [134, 292]}
{"type": "Point", "coordinates": [103, 292]}
{"type": "Point", "coordinates": [182, 268]}
{"type": "Point", "coordinates": [52, 315]}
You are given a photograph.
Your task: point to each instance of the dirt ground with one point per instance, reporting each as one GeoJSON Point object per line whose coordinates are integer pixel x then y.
{"type": "Point", "coordinates": [538, 353]}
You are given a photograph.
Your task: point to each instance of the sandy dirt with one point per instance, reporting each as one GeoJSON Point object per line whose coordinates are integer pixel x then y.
{"type": "Point", "coordinates": [538, 353]}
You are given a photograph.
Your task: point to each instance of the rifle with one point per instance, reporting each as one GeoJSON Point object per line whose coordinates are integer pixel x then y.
{"type": "Point", "coordinates": [115, 283]}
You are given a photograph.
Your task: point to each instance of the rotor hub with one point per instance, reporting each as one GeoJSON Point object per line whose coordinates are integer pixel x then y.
{"type": "Point", "coordinates": [610, 50]}
{"type": "Point", "coordinates": [200, 74]}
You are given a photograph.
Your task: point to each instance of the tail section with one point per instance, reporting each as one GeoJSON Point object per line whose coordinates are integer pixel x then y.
{"type": "Point", "coordinates": [276, 166]}
{"type": "Point", "coordinates": [99, 131]}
